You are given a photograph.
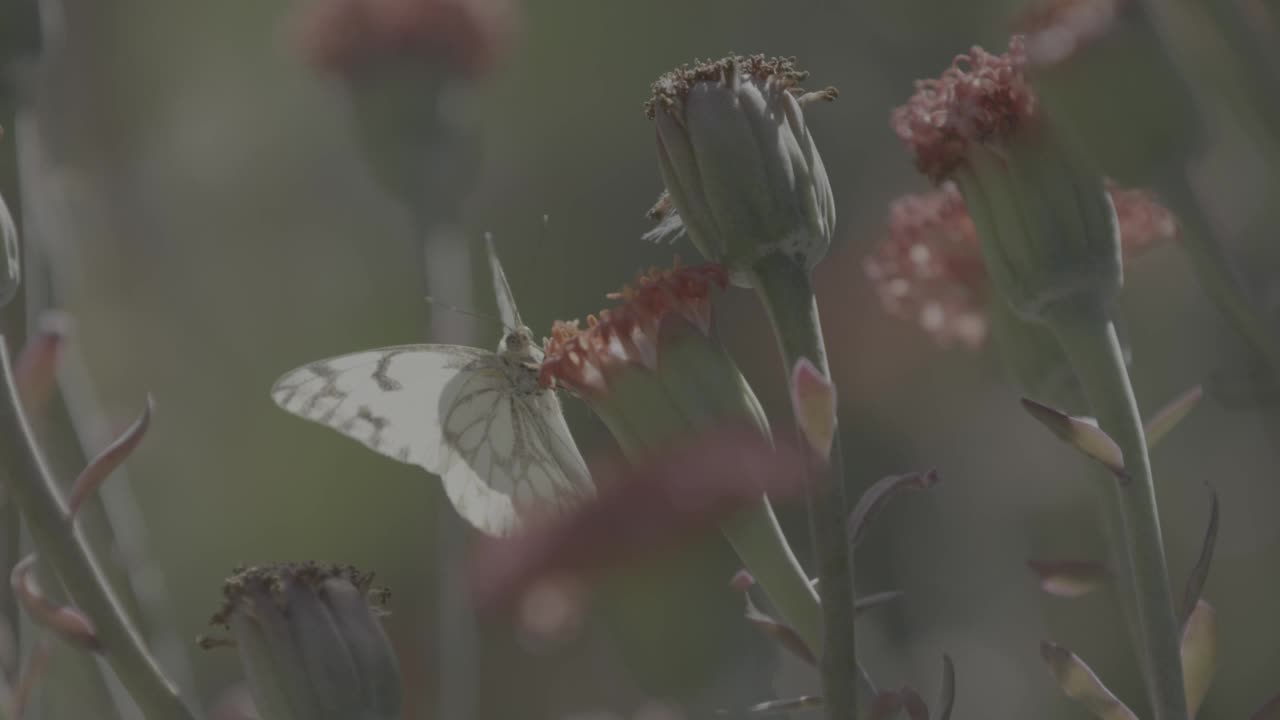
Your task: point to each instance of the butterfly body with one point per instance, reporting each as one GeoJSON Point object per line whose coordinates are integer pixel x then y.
{"type": "Point", "coordinates": [478, 419]}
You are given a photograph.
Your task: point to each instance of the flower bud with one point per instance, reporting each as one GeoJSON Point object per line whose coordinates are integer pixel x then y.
{"type": "Point", "coordinates": [739, 163]}
{"type": "Point", "coordinates": [1048, 229]}
{"type": "Point", "coordinates": [310, 643]}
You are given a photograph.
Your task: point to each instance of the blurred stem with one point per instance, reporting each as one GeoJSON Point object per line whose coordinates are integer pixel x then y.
{"type": "Point", "coordinates": [1218, 277]}
{"type": "Point", "coordinates": [788, 295]}
{"type": "Point", "coordinates": [60, 544]}
{"type": "Point", "coordinates": [1089, 338]}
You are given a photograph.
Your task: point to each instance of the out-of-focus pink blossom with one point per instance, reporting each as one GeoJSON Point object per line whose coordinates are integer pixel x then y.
{"type": "Point", "coordinates": [642, 510]}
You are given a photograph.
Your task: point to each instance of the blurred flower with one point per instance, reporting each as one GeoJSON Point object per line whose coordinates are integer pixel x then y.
{"type": "Point", "coordinates": [646, 508]}
{"type": "Point", "coordinates": [742, 170]}
{"type": "Point", "coordinates": [1046, 225]}
{"type": "Point", "coordinates": [468, 36]}
{"type": "Point", "coordinates": [929, 270]}
{"type": "Point", "coordinates": [310, 642]}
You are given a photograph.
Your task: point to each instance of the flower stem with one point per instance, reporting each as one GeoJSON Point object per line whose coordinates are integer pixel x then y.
{"type": "Point", "coordinates": [1218, 277]}
{"type": "Point", "coordinates": [788, 295]}
{"type": "Point", "coordinates": [1089, 338]}
{"type": "Point", "coordinates": [60, 544]}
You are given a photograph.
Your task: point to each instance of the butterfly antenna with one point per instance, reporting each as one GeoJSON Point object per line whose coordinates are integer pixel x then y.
{"type": "Point", "coordinates": [469, 313]}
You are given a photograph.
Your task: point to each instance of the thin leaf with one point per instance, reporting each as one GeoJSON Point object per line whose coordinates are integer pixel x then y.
{"type": "Point", "coordinates": [31, 676]}
{"type": "Point", "coordinates": [783, 634]}
{"type": "Point", "coordinates": [1200, 571]}
{"type": "Point", "coordinates": [875, 600]}
{"type": "Point", "coordinates": [813, 400]}
{"type": "Point", "coordinates": [101, 467]}
{"type": "Point", "coordinates": [1069, 578]}
{"type": "Point", "coordinates": [777, 707]}
{"type": "Point", "coordinates": [1081, 434]}
{"type": "Point", "coordinates": [1080, 684]}
{"type": "Point", "coordinates": [36, 369]}
{"type": "Point", "coordinates": [1199, 654]}
{"type": "Point", "coordinates": [878, 494]}
{"type": "Point", "coordinates": [915, 705]}
{"type": "Point", "coordinates": [1168, 417]}
{"type": "Point", "coordinates": [948, 700]}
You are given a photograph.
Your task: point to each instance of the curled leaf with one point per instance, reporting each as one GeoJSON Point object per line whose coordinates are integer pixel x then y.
{"type": "Point", "coordinates": [813, 400]}
{"type": "Point", "coordinates": [1168, 417]}
{"type": "Point", "coordinates": [947, 702]}
{"type": "Point", "coordinates": [66, 622]}
{"type": "Point", "coordinates": [101, 467]}
{"type": "Point", "coordinates": [1080, 684]}
{"type": "Point", "coordinates": [878, 494]}
{"type": "Point", "coordinates": [783, 634]}
{"type": "Point", "coordinates": [1200, 571]}
{"type": "Point", "coordinates": [1081, 434]}
{"type": "Point", "coordinates": [1069, 578]}
{"type": "Point", "coordinates": [1199, 653]}
{"type": "Point", "coordinates": [36, 371]}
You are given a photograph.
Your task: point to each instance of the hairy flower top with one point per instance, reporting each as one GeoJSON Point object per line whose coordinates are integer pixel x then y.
{"type": "Point", "coordinates": [981, 97]}
{"type": "Point", "coordinates": [579, 359]}
{"type": "Point", "coordinates": [673, 87]}
{"type": "Point", "coordinates": [929, 268]}
{"type": "Point", "coordinates": [468, 35]}
{"type": "Point", "coordinates": [272, 581]}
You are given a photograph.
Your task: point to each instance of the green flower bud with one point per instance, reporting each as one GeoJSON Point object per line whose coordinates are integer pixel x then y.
{"type": "Point", "coordinates": [1047, 227]}
{"type": "Point", "coordinates": [310, 643]}
{"type": "Point", "coordinates": [740, 165]}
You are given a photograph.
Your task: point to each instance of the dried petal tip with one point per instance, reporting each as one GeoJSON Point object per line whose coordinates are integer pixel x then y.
{"type": "Point", "coordinates": [468, 36]}
{"type": "Point", "coordinates": [1057, 30]}
{"type": "Point", "coordinates": [579, 359]}
{"type": "Point", "coordinates": [673, 87]}
{"type": "Point", "coordinates": [979, 98]}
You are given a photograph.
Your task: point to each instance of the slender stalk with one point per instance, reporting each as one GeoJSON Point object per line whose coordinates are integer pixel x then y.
{"type": "Point", "coordinates": [1089, 338]}
{"type": "Point", "coordinates": [60, 544]}
{"type": "Point", "coordinates": [788, 296]}
{"type": "Point", "coordinates": [1218, 277]}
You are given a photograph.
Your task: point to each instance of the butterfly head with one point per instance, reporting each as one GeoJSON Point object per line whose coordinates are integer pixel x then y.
{"type": "Point", "coordinates": [519, 344]}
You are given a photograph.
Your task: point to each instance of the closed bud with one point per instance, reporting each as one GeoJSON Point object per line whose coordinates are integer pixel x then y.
{"type": "Point", "coordinates": [310, 643]}
{"type": "Point", "coordinates": [1047, 227]}
{"type": "Point", "coordinates": [739, 164]}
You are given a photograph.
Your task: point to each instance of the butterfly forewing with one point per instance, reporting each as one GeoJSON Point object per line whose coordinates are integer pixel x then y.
{"type": "Point", "coordinates": [499, 442]}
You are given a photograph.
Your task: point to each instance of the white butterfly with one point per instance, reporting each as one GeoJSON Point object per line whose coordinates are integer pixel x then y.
{"type": "Point", "coordinates": [478, 419]}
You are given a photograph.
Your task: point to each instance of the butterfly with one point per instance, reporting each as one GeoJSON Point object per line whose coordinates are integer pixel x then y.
{"type": "Point", "coordinates": [478, 419]}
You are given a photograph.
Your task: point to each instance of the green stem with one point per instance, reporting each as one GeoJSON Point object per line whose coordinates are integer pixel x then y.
{"type": "Point", "coordinates": [13, 325]}
{"type": "Point", "coordinates": [1089, 338]}
{"type": "Point", "coordinates": [788, 296]}
{"type": "Point", "coordinates": [1219, 278]}
{"type": "Point", "coordinates": [60, 544]}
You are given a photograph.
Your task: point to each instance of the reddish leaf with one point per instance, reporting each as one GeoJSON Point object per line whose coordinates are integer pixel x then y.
{"type": "Point", "coordinates": [101, 467]}
{"type": "Point", "coordinates": [813, 400]}
{"type": "Point", "coordinates": [1080, 684]}
{"type": "Point", "coordinates": [1199, 653]}
{"type": "Point", "coordinates": [880, 493]}
{"type": "Point", "coordinates": [66, 622]}
{"type": "Point", "coordinates": [1069, 578]}
{"type": "Point", "coordinates": [1168, 417]}
{"type": "Point", "coordinates": [1084, 435]}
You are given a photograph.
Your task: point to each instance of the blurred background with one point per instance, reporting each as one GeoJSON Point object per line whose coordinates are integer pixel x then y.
{"type": "Point", "coordinates": [210, 223]}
